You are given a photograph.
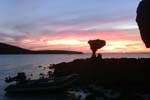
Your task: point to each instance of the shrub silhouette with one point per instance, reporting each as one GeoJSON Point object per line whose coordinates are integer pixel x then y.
{"type": "Point", "coordinates": [96, 44]}
{"type": "Point", "coordinates": [143, 21]}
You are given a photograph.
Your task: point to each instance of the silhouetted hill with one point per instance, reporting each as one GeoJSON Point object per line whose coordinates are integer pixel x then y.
{"type": "Point", "coordinates": [10, 49]}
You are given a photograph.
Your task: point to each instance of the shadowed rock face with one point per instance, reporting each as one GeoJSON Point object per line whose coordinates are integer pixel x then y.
{"type": "Point", "coordinates": [96, 44]}
{"type": "Point", "coordinates": [143, 21]}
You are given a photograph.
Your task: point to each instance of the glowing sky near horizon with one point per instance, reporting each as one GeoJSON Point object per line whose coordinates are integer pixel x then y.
{"type": "Point", "coordinates": [69, 24]}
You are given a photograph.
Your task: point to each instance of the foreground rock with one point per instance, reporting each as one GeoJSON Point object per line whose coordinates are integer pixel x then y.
{"type": "Point", "coordinates": [108, 79]}
{"type": "Point", "coordinates": [121, 72]}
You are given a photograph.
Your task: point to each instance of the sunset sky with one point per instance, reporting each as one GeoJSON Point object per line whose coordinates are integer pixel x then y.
{"type": "Point", "coordinates": [69, 24]}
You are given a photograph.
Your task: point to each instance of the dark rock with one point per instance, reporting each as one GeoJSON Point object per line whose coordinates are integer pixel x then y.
{"type": "Point", "coordinates": [122, 72]}
{"type": "Point", "coordinates": [143, 21]}
{"type": "Point", "coordinates": [96, 44]}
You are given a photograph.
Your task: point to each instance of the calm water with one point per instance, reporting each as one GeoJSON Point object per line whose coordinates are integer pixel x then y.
{"type": "Point", "coordinates": [11, 64]}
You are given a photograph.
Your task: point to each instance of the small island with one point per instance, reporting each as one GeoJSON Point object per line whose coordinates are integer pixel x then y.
{"type": "Point", "coordinates": [10, 49]}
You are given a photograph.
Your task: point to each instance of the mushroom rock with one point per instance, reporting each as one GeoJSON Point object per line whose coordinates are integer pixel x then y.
{"type": "Point", "coordinates": [96, 44]}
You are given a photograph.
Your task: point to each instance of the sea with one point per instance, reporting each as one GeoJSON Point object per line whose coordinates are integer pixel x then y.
{"type": "Point", "coordinates": [10, 65]}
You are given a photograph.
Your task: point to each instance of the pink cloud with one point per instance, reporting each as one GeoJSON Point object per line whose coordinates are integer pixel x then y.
{"type": "Point", "coordinates": [117, 41]}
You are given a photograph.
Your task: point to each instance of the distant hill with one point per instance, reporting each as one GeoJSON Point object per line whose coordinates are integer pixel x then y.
{"type": "Point", "coordinates": [10, 49]}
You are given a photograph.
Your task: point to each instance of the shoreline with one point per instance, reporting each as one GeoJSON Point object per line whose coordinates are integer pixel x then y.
{"type": "Point", "coordinates": [115, 78]}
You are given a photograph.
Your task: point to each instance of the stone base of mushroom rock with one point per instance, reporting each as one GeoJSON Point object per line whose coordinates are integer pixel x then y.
{"type": "Point", "coordinates": [122, 72]}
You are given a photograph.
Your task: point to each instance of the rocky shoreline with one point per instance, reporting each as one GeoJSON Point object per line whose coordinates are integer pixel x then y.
{"type": "Point", "coordinates": [127, 76]}
{"type": "Point", "coordinates": [112, 71]}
